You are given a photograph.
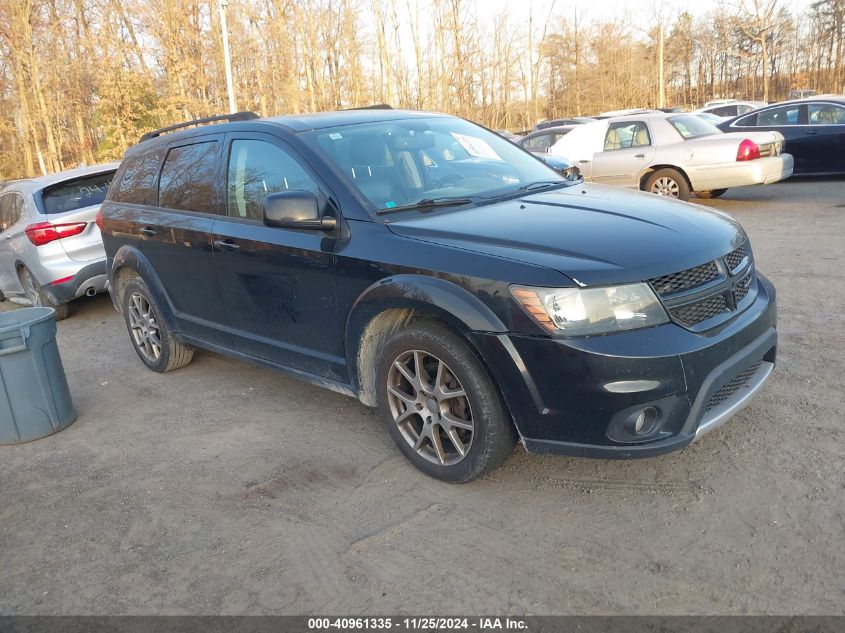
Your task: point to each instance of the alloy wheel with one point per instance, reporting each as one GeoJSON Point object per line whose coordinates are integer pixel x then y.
{"type": "Point", "coordinates": [665, 187]}
{"type": "Point", "coordinates": [31, 290]}
{"type": "Point", "coordinates": [144, 327]}
{"type": "Point", "coordinates": [430, 407]}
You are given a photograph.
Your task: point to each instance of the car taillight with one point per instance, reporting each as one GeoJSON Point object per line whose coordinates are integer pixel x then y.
{"type": "Point", "coordinates": [45, 232]}
{"type": "Point", "coordinates": [748, 150]}
{"type": "Point", "coordinates": [99, 220]}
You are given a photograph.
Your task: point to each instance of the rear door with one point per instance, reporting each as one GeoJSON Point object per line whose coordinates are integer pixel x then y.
{"type": "Point", "coordinates": [825, 134]}
{"type": "Point", "coordinates": [166, 210]}
{"type": "Point", "coordinates": [627, 150]}
{"type": "Point", "coordinates": [277, 284]}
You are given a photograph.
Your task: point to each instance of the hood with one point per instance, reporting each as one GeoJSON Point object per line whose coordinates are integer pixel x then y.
{"type": "Point", "coordinates": [593, 234]}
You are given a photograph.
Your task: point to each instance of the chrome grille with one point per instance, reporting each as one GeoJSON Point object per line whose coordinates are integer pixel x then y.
{"type": "Point", "coordinates": [686, 279]}
{"type": "Point", "coordinates": [695, 313]}
{"type": "Point", "coordinates": [732, 387]}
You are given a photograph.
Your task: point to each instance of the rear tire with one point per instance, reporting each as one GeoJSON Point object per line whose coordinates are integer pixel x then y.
{"type": "Point", "coordinates": [440, 405]}
{"type": "Point", "coordinates": [153, 341]}
{"type": "Point", "coordinates": [668, 182]}
{"type": "Point", "coordinates": [707, 195]}
{"type": "Point", "coordinates": [39, 299]}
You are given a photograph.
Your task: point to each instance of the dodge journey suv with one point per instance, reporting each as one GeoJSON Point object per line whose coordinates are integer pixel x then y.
{"type": "Point", "coordinates": [438, 272]}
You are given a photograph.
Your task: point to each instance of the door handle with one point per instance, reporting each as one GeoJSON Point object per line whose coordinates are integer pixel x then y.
{"type": "Point", "coordinates": [584, 162]}
{"type": "Point", "coordinates": [148, 232]}
{"type": "Point", "coordinates": [639, 155]}
{"type": "Point", "coordinates": [227, 246]}
{"type": "Point", "coordinates": [813, 132]}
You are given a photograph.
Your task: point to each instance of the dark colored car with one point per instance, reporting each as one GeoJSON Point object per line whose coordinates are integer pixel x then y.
{"type": "Point", "coordinates": [576, 120]}
{"type": "Point", "coordinates": [476, 297]}
{"type": "Point", "coordinates": [540, 141]}
{"type": "Point", "coordinates": [813, 129]}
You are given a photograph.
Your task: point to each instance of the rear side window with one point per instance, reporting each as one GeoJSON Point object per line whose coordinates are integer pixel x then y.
{"type": "Point", "coordinates": [76, 194]}
{"type": "Point", "coordinates": [138, 179]}
{"type": "Point", "coordinates": [784, 115]}
{"type": "Point", "coordinates": [187, 178]}
{"type": "Point", "coordinates": [259, 168]}
{"type": "Point", "coordinates": [724, 110]}
{"type": "Point", "coordinates": [11, 210]}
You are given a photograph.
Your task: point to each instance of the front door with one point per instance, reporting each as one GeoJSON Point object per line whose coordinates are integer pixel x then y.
{"type": "Point", "coordinates": [278, 284]}
{"type": "Point", "coordinates": [627, 151]}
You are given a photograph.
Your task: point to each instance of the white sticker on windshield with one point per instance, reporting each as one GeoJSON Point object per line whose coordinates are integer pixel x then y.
{"type": "Point", "coordinates": [475, 146]}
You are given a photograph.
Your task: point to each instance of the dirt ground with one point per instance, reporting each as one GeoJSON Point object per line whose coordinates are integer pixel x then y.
{"type": "Point", "coordinates": [224, 488]}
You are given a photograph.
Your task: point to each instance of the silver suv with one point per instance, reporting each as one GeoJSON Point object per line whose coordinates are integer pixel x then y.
{"type": "Point", "coordinates": [51, 251]}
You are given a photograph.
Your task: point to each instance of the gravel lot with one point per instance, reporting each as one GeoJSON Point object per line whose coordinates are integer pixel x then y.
{"type": "Point", "coordinates": [224, 488]}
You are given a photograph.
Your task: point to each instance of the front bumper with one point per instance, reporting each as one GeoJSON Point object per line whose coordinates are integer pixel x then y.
{"type": "Point", "coordinates": [89, 280]}
{"type": "Point", "coordinates": [571, 396]}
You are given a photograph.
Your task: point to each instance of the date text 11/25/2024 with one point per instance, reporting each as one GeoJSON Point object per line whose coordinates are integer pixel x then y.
{"type": "Point", "coordinates": [417, 624]}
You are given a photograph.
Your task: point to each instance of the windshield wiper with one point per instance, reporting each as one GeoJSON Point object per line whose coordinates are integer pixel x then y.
{"type": "Point", "coordinates": [427, 203]}
{"type": "Point", "coordinates": [542, 184]}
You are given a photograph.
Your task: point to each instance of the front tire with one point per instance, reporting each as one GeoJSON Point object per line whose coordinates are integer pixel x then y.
{"type": "Point", "coordinates": [39, 299]}
{"type": "Point", "coordinates": [668, 182]}
{"type": "Point", "coordinates": [707, 195]}
{"type": "Point", "coordinates": [440, 405]}
{"type": "Point", "coordinates": [153, 341]}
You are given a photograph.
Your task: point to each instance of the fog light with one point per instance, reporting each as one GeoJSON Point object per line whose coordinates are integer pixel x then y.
{"type": "Point", "coordinates": [642, 422]}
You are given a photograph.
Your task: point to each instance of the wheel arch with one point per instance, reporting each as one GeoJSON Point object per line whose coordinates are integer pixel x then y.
{"type": "Point", "coordinates": [648, 171]}
{"type": "Point", "coordinates": [129, 263]}
{"type": "Point", "coordinates": [392, 303]}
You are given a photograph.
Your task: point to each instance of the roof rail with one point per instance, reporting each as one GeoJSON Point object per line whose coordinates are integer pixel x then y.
{"type": "Point", "coordinates": [236, 116]}
{"type": "Point", "coordinates": [377, 106]}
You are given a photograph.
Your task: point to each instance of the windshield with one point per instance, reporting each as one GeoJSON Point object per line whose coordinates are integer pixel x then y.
{"type": "Point", "coordinates": [399, 164]}
{"type": "Point", "coordinates": [77, 194]}
{"type": "Point", "coordinates": [689, 126]}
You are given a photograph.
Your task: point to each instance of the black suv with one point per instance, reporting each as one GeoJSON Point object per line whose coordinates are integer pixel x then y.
{"type": "Point", "coordinates": [431, 268]}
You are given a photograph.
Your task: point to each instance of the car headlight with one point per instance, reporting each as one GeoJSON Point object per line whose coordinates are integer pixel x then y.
{"type": "Point", "coordinates": [587, 311]}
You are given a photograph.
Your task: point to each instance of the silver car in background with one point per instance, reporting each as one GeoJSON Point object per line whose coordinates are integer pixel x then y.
{"type": "Point", "coordinates": [51, 251]}
{"type": "Point", "coordinates": [674, 155]}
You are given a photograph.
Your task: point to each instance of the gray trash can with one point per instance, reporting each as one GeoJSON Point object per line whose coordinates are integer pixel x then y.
{"type": "Point", "coordinates": [34, 396]}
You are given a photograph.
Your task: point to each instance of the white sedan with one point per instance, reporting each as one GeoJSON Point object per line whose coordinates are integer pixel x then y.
{"type": "Point", "coordinates": [673, 155]}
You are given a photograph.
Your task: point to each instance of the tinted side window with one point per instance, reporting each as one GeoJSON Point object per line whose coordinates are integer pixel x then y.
{"type": "Point", "coordinates": [784, 115]}
{"type": "Point", "coordinates": [826, 114]}
{"type": "Point", "coordinates": [750, 120]}
{"type": "Point", "coordinates": [138, 179]}
{"type": "Point", "coordinates": [539, 142]}
{"type": "Point", "coordinates": [5, 211]}
{"type": "Point", "coordinates": [11, 210]}
{"type": "Point", "coordinates": [724, 111]}
{"type": "Point", "coordinates": [626, 135]}
{"type": "Point", "coordinates": [258, 168]}
{"type": "Point", "coordinates": [187, 178]}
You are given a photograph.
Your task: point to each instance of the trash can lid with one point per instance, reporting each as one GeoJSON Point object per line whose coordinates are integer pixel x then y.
{"type": "Point", "coordinates": [16, 319]}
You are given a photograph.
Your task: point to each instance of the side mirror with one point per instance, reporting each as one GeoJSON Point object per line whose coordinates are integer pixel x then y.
{"type": "Point", "coordinates": [295, 209]}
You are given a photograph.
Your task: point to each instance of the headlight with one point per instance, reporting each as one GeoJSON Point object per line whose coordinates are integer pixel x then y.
{"type": "Point", "coordinates": [586, 311]}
